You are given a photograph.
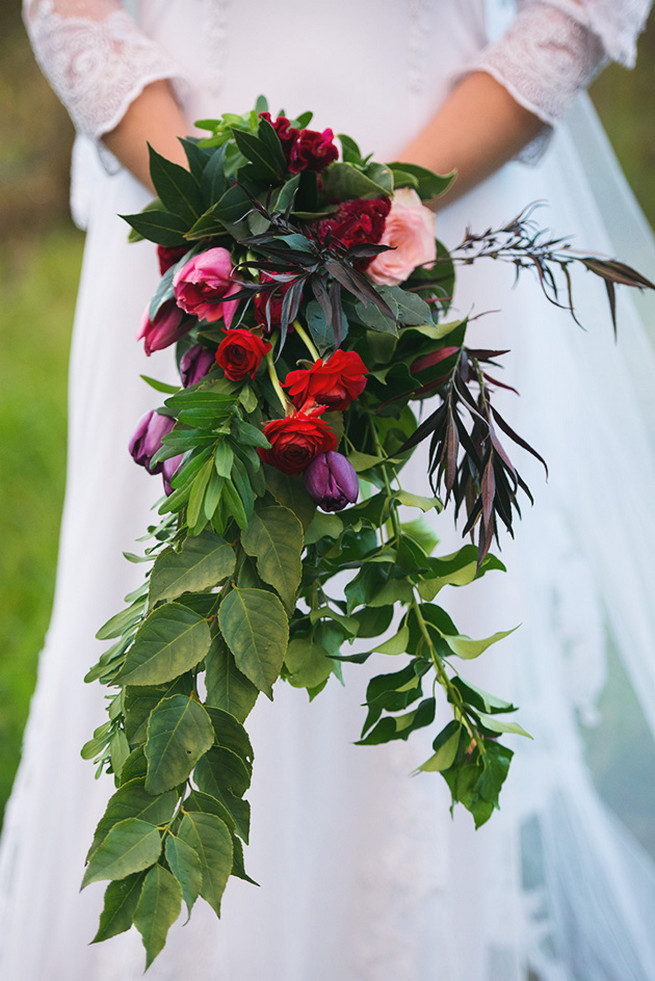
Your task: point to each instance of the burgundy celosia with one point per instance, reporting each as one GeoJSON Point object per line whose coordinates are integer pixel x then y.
{"type": "Point", "coordinates": [357, 222]}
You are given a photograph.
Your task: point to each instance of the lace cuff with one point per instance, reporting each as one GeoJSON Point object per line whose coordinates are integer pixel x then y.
{"type": "Point", "coordinates": [545, 58]}
{"type": "Point", "coordinates": [96, 59]}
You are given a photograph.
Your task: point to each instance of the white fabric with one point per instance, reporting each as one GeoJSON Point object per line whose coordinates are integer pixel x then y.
{"type": "Point", "coordinates": [363, 875]}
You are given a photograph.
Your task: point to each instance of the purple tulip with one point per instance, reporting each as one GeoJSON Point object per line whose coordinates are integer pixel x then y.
{"type": "Point", "coordinates": [331, 481]}
{"type": "Point", "coordinates": [168, 471]}
{"type": "Point", "coordinates": [148, 439]}
{"type": "Point", "coordinates": [164, 329]}
{"type": "Point", "coordinates": [194, 364]}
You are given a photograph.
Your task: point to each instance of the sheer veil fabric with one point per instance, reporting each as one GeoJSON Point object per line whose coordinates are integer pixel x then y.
{"type": "Point", "coordinates": [363, 873]}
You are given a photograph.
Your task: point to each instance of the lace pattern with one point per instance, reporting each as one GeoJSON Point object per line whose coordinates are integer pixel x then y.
{"type": "Point", "coordinates": [95, 58]}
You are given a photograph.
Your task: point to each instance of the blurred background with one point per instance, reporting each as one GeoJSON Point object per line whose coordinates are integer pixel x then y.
{"type": "Point", "coordinates": [39, 268]}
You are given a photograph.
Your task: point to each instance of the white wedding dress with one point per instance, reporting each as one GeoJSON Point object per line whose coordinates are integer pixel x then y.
{"type": "Point", "coordinates": [363, 873]}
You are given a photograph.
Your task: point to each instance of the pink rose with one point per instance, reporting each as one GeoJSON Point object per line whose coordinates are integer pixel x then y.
{"type": "Point", "coordinates": [164, 329]}
{"type": "Point", "coordinates": [409, 230]}
{"type": "Point", "coordinates": [203, 286]}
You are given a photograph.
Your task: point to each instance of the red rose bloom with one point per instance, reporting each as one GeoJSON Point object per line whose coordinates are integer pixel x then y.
{"type": "Point", "coordinates": [168, 255]}
{"type": "Point", "coordinates": [297, 439]}
{"type": "Point", "coordinates": [357, 222]}
{"type": "Point", "coordinates": [313, 151]}
{"type": "Point", "coordinates": [334, 383]}
{"type": "Point", "coordinates": [240, 353]}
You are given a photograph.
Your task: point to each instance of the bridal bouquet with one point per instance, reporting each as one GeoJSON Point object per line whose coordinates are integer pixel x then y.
{"type": "Point", "coordinates": [308, 301]}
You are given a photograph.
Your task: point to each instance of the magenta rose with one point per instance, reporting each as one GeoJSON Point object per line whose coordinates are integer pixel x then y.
{"type": "Point", "coordinates": [204, 284]}
{"type": "Point", "coordinates": [164, 329]}
{"type": "Point", "coordinates": [409, 231]}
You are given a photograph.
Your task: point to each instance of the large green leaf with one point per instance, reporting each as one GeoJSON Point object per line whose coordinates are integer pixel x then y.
{"type": "Point", "coordinates": [467, 648]}
{"type": "Point", "coordinates": [202, 563]}
{"type": "Point", "coordinates": [121, 898]}
{"type": "Point", "coordinates": [179, 733]}
{"type": "Point", "coordinates": [140, 700]}
{"type": "Point", "coordinates": [214, 774]}
{"type": "Point", "coordinates": [170, 641]}
{"type": "Point", "coordinates": [161, 227]}
{"type": "Point", "coordinates": [307, 663]}
{"type": "Point", "coordinates": [230, 734]}
{"type": "Point", "coordinates": [130, 846]}
{"type": "Point", "coordinates": [158, 908]}
{"type": "Point", "coordinates": [290, 492]}
{"type": "Point", "coordinates": [185, 866]}
{"type": "Point", "coordinates": [227, 687]}
{"type": "Point", "coordinates": [342, 181]}
{"type": "Point", "coordinates": [212, 842]}
{"type": "Point", "coordinates": [274, 537]}
{"type": "Point", "coordinates": [256, 630]}
{"type": "Point", "coordinates": [177, 188]}
{"type": "Point", "coordinates": [132, 800]}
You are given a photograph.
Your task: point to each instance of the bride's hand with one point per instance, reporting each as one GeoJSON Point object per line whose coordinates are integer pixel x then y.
{"type": "Point", "coordinates": [478, 129]}
{"type": "Point", "coordinates": [154, 117]}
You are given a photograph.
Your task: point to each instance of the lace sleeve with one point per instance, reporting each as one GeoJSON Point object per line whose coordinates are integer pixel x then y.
{"type": "Point", "coordinates": [554, 48]}
{"type": "Point", "coordinates": [95, 58]}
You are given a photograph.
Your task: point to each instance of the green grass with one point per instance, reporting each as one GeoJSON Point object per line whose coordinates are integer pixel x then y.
{"type": "Point", "coordinates": [40, 278]}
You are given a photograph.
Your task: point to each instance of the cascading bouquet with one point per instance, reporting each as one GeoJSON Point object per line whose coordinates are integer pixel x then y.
{"type": "Point", "coordinates": [308, 300]}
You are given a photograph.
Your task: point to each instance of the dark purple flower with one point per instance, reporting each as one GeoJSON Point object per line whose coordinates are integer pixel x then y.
{"type": "Point", "coordinates": [169, 469]}
{"type": "Point", "coordinates": [148, 439]}
{"type": "Point", "coordinates": [194, 364]}
{"type": "Point", "coordinates": [166, 327]}
{"type": "Point", "coordinates": [331, 481]}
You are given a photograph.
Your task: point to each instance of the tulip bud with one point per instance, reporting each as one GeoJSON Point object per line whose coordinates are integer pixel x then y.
{"type": "Point", "coordinates": [331, 481]}
{"type": "Point", "coordinates": [148, 439]}
{"type": "Point", "coordinates": [194, 364]}
{"type": "Point", "coordinates": [168, 470]}
{"type": "Point", "coordinates": [164, 329]}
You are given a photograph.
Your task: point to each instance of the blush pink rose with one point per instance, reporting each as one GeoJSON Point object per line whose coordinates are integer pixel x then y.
{"type": "Point", "coordinates": [409, 230]}
{"type": "Point", "coordinates": [203, 286]}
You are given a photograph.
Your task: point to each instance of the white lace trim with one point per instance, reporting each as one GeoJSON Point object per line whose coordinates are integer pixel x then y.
{"type": "Point", "coordinates": [544, 59]}
{"type": "Point", "coordinates": [95, 58]}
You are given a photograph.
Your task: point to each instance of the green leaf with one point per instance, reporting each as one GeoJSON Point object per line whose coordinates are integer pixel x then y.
{"type": "Point", "coordinates": [213, 182]}
{"type": "Point", "coordinates": [198, 801]}
{"type": "Point", "coordinates": [130, 846]}
{"type": "Point", "coordinates": [121, 898]}
{"type": "Point", "coordinates": [202, 563]}
{"type": "Point", "coordinates": [217, 773]}
{"type": "Point", "coordinates": [445, 749]}
{"type": "Point", "coordinates": [185, 866]}
{"type": "Point", "coordinates": [396, 644]}
{"type": "Point", "coordinates": [257, 151]}
{"type": "Point", "coordinates": [227, 687]}
{"type": "Point", "coordinates": [140, 700]}
{"type": "Point", "coordinates": [290, 493]}
{"type": "Point", "coordinates": [323, 526]}
{"type": "Point", "coordinates": [256, 630]}
{"type": "Point", "coordinates": [157, 910]}
{"type": "Point", "coordinates": [230, 734]}
{"type": "Point", "coordinates": [171, 640]}
{"type": "Point", "coordinates": [417, 501]}
{"type": "Point", "coordinates": [498, 725]}
{"type": "Point", "coordinates": [212, 842]}
{"type": "Point", "coordinates": [179, 733]}
{"type": "Point", "coordinates": [161, 227]}
{"type": "Point", "coordinates": [177, 188]}
{"type": "Point", "coordinates": [430, 185]}
{"type": "Point", "coordinates": [307, 663]}
{"type": "Point", "coordinates": [274, 537]}
{"type": "Point", "coordinates": [342, 181]}
{"type": "Point", "coordinates": [466, 648]}
{"type": "Point", "coordinates": [412, 310]}
{"type": "Point", "coordinates": [132, 800]}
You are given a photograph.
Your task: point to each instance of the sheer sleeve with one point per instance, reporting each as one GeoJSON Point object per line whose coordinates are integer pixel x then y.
{"type": "Point", "coordinates": [96, 59]}
{"type": "Point", "coordinates": [554, 48]}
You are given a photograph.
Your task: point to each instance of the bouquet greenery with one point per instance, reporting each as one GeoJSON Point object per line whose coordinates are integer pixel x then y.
{"type": "Point", "coordinates": [308, 300]}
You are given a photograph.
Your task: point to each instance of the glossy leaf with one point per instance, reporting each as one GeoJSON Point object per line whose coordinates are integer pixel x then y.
{"type": "Point", "coordinates": [132, 800]}
{"type": "Point", "coordinates": [179, 733]}
{"type": "Point", "coordinates": [256, 630]}
{"type": "Point", "coordinates": [120, 902]}
{"type": "Point", "coordinates": [157, 910]}
{"type": "Point", "coordinates": [170, 641]}
{"type": "Point", "coordinates": [130, 846]}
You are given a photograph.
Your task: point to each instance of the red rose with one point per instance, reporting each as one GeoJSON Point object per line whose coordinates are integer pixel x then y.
{"type": "Point", "coordinates": [357, 222]}
{"type": "Point", "coordinates": [312, 151]}
{"type": "Point", "coordinates": [297, 439]}
{"type": "Point", "coordinates": [240, 352]}
{"type": "Point", "coordinates": [334, 383]}
{"type": "Point", "coordinates": [168, 255]}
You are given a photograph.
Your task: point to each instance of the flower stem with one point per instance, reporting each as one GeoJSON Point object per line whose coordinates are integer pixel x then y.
{"type": "Point", "coordinates": [306, 339]}
{"type": "Point", "coordinates": [275, 382]}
